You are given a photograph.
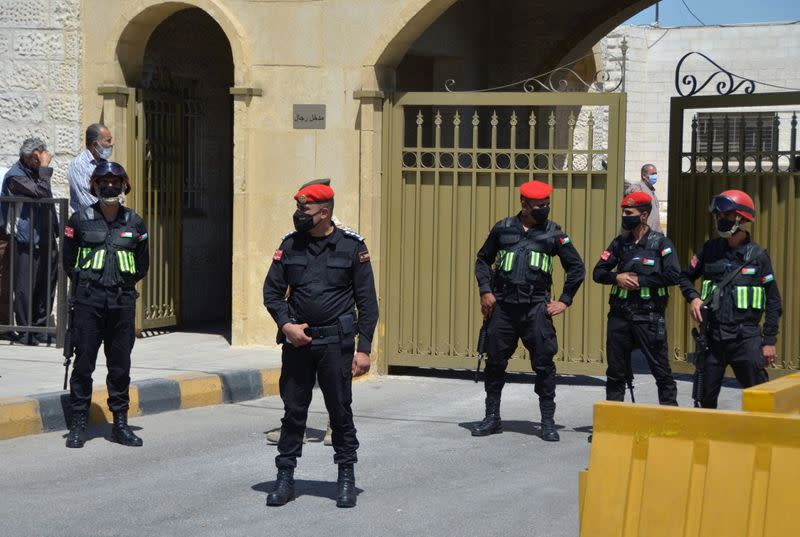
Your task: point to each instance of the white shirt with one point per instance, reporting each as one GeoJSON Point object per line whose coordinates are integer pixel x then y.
{"type": "Point", "coordinates": [78, 175]}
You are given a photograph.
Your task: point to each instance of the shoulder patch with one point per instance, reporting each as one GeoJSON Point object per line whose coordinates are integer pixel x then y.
{"type": "Point", "coordinates": [69, 232]}
{"type": "Point", "coordinates": [278, 255]}
{"type": "Point", "coordinates": [767, 278]}
{"type": "Point", "coordinates": [666, 251]}
{"type": "Point", "coordinates": [605, 255]}
{"type": "Point", "coordinates": [363, 257]}
{"type": "Point", "coordinates": [564, 240]}
{"type": "Point", "coordinates": [694, 261]}
{"type": "Point", "coordinates": [352, 234]}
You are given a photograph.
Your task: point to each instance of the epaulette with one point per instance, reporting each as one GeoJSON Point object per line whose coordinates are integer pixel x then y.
{"type": "Point", "coordinates": [654, 240]}
{"type": "Point", "coordinates": [508, 222]}
{"type": "Point", "coordinates": [288, 235]}
{"type": "Point", "coordinates": [89, 213]}
{"type": "Point", "coordinates": [352, 234]}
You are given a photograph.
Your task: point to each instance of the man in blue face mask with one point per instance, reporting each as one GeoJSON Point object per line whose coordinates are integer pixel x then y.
{"type": "Point", "coordinates": [647, 184]}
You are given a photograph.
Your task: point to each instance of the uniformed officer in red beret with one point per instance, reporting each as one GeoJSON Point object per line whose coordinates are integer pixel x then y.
{"type": "Point", "coordinates": [639, 265]}
{"type": "Point", "coordinates": [516, 300]}
{"type": "Point", "coordinates": [326, 324]}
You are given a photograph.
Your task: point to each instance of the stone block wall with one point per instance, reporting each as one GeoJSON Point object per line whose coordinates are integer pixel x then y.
{"type": "Point", "coordinates": [40, 54]}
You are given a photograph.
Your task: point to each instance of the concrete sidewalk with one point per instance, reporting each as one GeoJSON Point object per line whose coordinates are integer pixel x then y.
{"type": "Point", "coordinates": [169, 372]}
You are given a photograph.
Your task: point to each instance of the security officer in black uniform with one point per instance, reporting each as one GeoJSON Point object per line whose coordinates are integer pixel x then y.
{"type": "Point", "coordinates": [735, 337]}
{"type": "Point", "coordinates": [646, 265]}
{"type": "Point", "coordinates": [515, 298]}
{"type": "Point", "coordinates": [105, 254]}
{"type": "Point", "coordinates": [328, 274]}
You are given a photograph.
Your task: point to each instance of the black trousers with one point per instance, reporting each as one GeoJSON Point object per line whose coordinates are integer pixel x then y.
{"type": "Point", "coordinates": [114, 327]}
{"type": "Point", "coordinates": [34, 283]}
{"type": "Point", "coordinates": [330, 364]}
{"type": "Point", "coordinates": [745, 358]}
{"type": "Point", "coordinates": [625, 335]}
{"type": "Point", "coordinates": [530, 322]}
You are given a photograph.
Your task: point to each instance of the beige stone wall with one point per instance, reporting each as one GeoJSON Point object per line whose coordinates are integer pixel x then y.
{"type": "Point", "coordinates": [40, 55]}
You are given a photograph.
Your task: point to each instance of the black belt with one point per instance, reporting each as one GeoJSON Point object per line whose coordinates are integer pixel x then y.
{"type": "Point", "coordinates": [319, 332]}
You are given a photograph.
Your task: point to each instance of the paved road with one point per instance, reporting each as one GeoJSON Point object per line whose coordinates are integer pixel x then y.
{"type": "Point", "coordinates": [205, 472]}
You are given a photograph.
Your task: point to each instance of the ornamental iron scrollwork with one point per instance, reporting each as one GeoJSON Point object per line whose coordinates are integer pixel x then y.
{"type": "Point", "coordinates": [563, 79]}
{"type": "Point", "coordinates": [687, 85]}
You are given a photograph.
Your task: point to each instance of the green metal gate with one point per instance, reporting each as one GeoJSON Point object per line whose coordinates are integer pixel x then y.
{"type": "Point", "coordinates": [454, 162]}
{"type": "Point", "coordinates": [745, 142]}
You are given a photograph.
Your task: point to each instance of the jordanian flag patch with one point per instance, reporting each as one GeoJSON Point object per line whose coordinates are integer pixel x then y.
{"type": "Point", "coordinates": [126, 234]}
{"type": "Point", "coordinates": [749, 271]}
{"type": "Point", "coordinates": [666, 252]}
{"type": "Point", "coordinates": [648, 262]}
{"type": "Point", "coordinates": [564, 240]}
{"type": "Point", "coordinates": [143, 237]}
{"type": "Point", "coordinates": [768, 278]}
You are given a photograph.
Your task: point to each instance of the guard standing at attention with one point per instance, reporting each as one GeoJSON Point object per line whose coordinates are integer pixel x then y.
{"type": "Point", "coordinates": [734, 335]}
{"type": "Point", "coordinates": [105, 254]}
{"type": "Point", "coordinates": [646, 265]}
{"type": "Point", "coordinates": [320, 291]}
{"type": "Point", "coordinates": [516, 300]}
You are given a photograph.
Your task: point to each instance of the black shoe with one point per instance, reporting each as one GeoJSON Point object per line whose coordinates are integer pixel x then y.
{"type": "Point", "coordinates": [491, 423]}
{"type": "Point", "coordinates": [346, 495]}
{"type": "Point", "coordinates": [29, 340]}
{"type": "Point", "coordinates": [283, 492]}
{"type": "Point", "coordinates": [76, 430]}
{"type": "Point", "coordinates": [121, 433]}
{"type": "Point", "coordinates": [549, 432]}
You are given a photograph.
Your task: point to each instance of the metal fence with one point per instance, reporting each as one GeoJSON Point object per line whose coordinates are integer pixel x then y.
{"type": "Point", "coordinates": [33, 279]}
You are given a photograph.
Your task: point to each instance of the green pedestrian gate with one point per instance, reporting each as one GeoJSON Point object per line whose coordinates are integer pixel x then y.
{"type": "Point", "coordinates": [453, 162]}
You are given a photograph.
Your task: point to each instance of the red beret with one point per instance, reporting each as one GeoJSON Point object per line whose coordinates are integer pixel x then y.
{"type": "Point", "coordinates": [636, 199]}
{"type": "Point", "coordinates": [535, 190]}
{"type": "Point", "coordinates": [314, 194]}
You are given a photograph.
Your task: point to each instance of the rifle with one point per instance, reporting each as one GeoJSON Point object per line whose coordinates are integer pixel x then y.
{"type": "Point", "coordinates": [629, 378]}
{"type": "Point", "coordinates": [69, 343]}
{"type": "Point", "coordinates": [481, 349]}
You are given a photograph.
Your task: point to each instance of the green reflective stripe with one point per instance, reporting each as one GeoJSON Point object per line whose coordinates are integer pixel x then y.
{"type": "Point", "coordinates": [124, 265]}
{"type": "Point", "coordinates": [741, 297]}
{"type": "Point", "coordinates": [614, 290]}
{"type": "Point", "coordinates": [758, 298]}
{"type": "Point", "coordinates": [542, 261]}
{"type": "Point", "coordinates": [547, 264]}
{"type": "Point", "coordinates": [663, 291]}
{"type": "Point", "coordinates": [82, 253]}
{"type": "Point", "coordinates": [708, 288]}
{"type": "Point", "coordinates": [536, 259]}
{"type": "Point", "coordinates": [623, 293]}
{"type": "Point", "coordinates": [132, 262]}
{"type": "Point", "coordinates": [508, 261]}
{"type": "Point", "coordinates": [99, 259]}
{"type": "Point", "coordinates": [644, 293]}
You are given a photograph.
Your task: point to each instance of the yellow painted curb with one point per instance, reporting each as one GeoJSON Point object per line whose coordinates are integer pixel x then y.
{"type": "Point", "coordinates": [99, 411]}
{"type": "Point", "coordinates": [780, 395]}
{"type": "Point", "coordinates": [269, 380]}
{"type": "Point", "coordinates": [19, 416]}
{"type": "Point", "coordinates": [199, 389]}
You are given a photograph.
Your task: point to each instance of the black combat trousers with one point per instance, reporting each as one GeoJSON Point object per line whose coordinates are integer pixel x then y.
{"type": "Point", "coordinates": [34, 284]}
{"type": "Point", "coordinates": [530, 322]}
{"type": "Point", "coordinates": [114, 327]}
{"type": "Point", "coordinates": [331, 364]}
{"type": "Point", "coordinates": [743, 355]}
{"type": "Point", "coordinates": [623, 336]}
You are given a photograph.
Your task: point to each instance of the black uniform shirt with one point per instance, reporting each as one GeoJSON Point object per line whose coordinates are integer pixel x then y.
{"type": "Point", "coordinates": [329, 277]}
{"type": "Point", "coordinates": [94, 293]}
{"type": "Point", "coordinates": [736, 256]}
{"type": "Point", "coordinates": [570, 260]}
{"type": "Point", "coordinates": [670, 268]}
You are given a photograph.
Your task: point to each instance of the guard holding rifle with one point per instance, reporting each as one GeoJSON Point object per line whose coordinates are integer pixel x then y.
{"type": "Point", "coordinates": [738, 288]}
{"type": "Point", "coordinates": [646, 266]}
{"type": "Point", "coordinates": [331, 302]}
{"type": "Point", "coordinates": [516, 300]}
{"type": "Point", "coordinates": [105, 254]}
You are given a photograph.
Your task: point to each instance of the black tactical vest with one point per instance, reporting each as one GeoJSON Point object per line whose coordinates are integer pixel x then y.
{"type": "Point", "coordinates": [106, 255]}
{"type": "Point", "coordinates": [524, 265]}
{"type": "Point", "coordinates": [647, 260]}
{"type": "Point", "coordinates": [744, 299]}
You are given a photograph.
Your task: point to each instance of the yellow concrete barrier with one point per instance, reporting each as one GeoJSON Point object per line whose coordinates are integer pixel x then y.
{"type": "Point", "coordinates": [780, 395]}
{"type": "Point", "coordinates": [19, 416]}
{"type": "Point", "coordinates": [199, 389]}
{"type": "Point", "coordinates": [98, 409]}
{"type": "Point", "coordinates": [269, 381]}
{"type": "Point", "coordinates": [659, 471]}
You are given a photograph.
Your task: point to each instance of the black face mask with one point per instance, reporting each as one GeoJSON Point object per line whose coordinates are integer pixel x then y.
{"type": "Point", "coordinates": [540, 214]}
{"type": "Point", "coordinates": [726, 227]}
{"type": "Point", "coordinates": [303, 222]}
{"type": "Point", "coordinates": [629, 222]}
{"type": "Point", "coordinates": [110, 191]}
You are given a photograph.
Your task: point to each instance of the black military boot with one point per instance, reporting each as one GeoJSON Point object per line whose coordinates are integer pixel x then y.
{"type": "Point", "coordinates": [346, 495]}
{"type": "Point", "coordinates": [121, 433]}
{"type": "Point", "coordinates": [491, 424]}
{"type": "Point", "coordinates": [76, 430]}
{"type": "Point", "coordinates": [548, 410]}
{"type": "Point", "coordinates": [283, 492]}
